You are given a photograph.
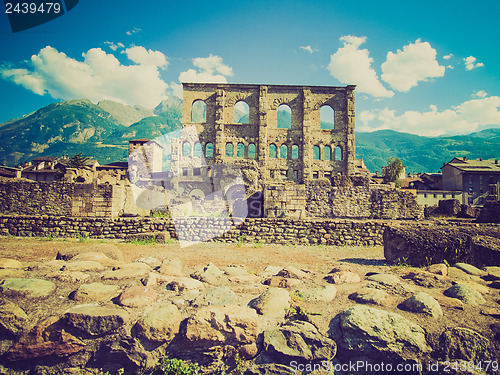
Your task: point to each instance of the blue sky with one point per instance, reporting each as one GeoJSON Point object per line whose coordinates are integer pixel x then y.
{"type": "Point", "coordinates": [427, 67]}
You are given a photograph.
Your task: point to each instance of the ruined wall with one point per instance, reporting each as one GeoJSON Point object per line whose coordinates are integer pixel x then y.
{"type": "Point", "coordinates": [24, 197]}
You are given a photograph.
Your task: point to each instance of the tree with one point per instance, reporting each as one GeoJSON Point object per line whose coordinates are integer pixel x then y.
{"type": "Point", "coordinates": [392, 171]}
{"type": "Point", "coordinates": [78, 161]}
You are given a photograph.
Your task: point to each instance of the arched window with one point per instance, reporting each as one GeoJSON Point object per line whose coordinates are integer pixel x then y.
{"type": "Point", "coordinates": [251, 151]}
{"type": "Point", "coordinates": [315, 153]}
{"type": "Point", "coordinates": [327, 117]}
{"type": "Point", "coordinates": [327, 153]}
{"type": "Point", "coordinates": [197, 150]}
{"type": "Point", "coordinates": [283, 151]}
{"type": "Point", "coordinates": [240, 150]}
{"type": "Point", "coordinates": [273, 151]}
{"type": "Point", "coordinates": [199, 111]}
{"type": "Point", "coordinates": [338, 153]}
{"type": "Point", "coordinates": [241, 113]}
{"type": "Point", "coordinates": [229, 150]}
{"type": "Point", "coordinates": [284, 117]}
{"type": "Point", "coordinates": [295, 152]}
{"type": "Point", "coordinates": [209, 150]}
{"type": "Point", "coordinates": [186, 149]}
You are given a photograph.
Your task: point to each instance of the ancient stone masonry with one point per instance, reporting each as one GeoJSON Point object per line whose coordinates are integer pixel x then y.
{"type": "Point", "coordinates": [266, 150]}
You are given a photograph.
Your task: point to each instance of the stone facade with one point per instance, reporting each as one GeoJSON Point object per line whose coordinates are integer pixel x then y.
{"type": "Point", "coordinates": [265, 152]}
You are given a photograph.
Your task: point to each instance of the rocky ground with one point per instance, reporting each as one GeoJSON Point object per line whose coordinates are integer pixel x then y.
{"type": "Point", "coordinates": [73, 308]}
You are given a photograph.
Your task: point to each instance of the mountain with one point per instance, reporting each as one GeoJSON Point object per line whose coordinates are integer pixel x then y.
{"type": "Point", "coordinates": [124, 114]}
{"type": "Point", "coordinates": [424, 154]}
{"type": "Point", "coordinates": [166, 104]}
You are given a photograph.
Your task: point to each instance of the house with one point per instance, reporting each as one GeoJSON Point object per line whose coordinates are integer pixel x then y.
{"type": "Point", "coordinates": [478, 180]}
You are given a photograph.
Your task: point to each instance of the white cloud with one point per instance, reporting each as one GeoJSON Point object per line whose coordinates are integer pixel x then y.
{"type": "Point", "coordinates": [351, 65]}
{"type": "Point", "coordinates": [99, 76]}
{"type": "Point", "coordinates": [470, 63]}
{"type": "Point", "coordinates": [462, 119]}
{"type": "Point", "coordinates": [135, 30]}
{"type": "Point", "coordinates": [309, 49]}
{"type": "Point", "coordinates": [115, 46]}
{"type": "Point", "coordinates": [208, 67]}
{"type": "Point", "coordinates": [405, 68]}
{"type": "Point", "coordinates": [447, 57]}
{"type": "Point", "coordinates": [140, 55]}
{"type": "Point", "coordinates": [480, 94]}
{"type": "Point", "coordinates": [176, 89]}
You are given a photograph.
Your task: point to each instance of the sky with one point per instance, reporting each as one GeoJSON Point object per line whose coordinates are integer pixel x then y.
{"type": "Point", "coordinates": [429, 67]}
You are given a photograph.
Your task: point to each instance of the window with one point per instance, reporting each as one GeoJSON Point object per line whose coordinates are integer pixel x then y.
{"type": "Point", "coordinates": [425, 195]}
{"type": "Point", "coordinates": [273, 151]}
{"type": "Point", "coordinates": [338, 153]}
{"type": "Point", "coordinates": [327, 117]}
{"type": "Point", "coordinates": [444, 196]}
{"type": "Point", "coordinates": [199, 111]}
{"type": "Point", "coordinates": [295, 174]}
{"type": "Point", "coordinates": [241, 113]}
{"type": "Point", "coordinates": [283, 151]}
{"type": "Point", "coordinates": [295, 152]}
{"type": "Point", "coordinates": [186, 149]}
{"type": "Point", "coordinates": [229, 150]}
{"type": "Point", "coordinates": [240, 150]}
{"type": "Point", "coordinates": [327, 175]}
{"type": "Point", "coordinates": [184, 172]}
{"type": "Point", "coordinates": [315, 174]}
{"type": "Point", "coordinates": [209, 150]}
{"type": "Point", "coordinates": [196, 171]}
{"type": "Point", "coordinates": [251, 151]}
{"type": "Point", "coordinates": [327, 151]}
{"type": "Point", "coordinates": [284, 117]}
{"type": "Point", "coordinates": [315, 153]}
{"type": "Point", "coordinates": [197, 150]}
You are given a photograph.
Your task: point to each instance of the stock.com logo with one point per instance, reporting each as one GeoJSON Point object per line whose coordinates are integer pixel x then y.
{"type": "Point", "coordinates": [25, 14]}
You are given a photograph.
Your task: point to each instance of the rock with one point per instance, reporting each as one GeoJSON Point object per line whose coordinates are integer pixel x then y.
{"type": "Point", "coordinates": [494, 312]}
{"type": "Point", "coordinates": [465, 344]}
{"type": "Point", "coordinates": [127, 272]}
{"type": "Point", "coordinates": [172, 267]}
{"type": "Point", "coordinates": [211, 274]}
{"type": "Point", "coordinates": [281, 282]}
{"type": "Point", "coordinates": [292, 273]}
{"type": "Point", "coordinates": [27, 288]}
{"type": "Point", "coordinates": [96, 320]}
{"type": "Point", "coordinates": [494, 284]}
{"type": "Point", "coordinates": [461, 276]}
{"type": "Point", "coordinates": [493, 272]}
{"type": "Point", "coordinates": [69, 276]}
{"type": "Point", "coordinates": [13, 319]}
{"type": "Point", "coordinates": [126, 353]}
{"type": "Point", "coordinates": [371, 332]}
{"type": "Point", "coordinates": [471, 270]}
{"type": "Point", "coordinates": [466, 294]}
{"type": "Point", "coordinates": [106, 248]}
{"type": "Point", "coordinates": [450, 303]}
{"type": "Point", "coordinates": [138, 296]}
{"type": "Point", "coordinates": [325, 293]}
{"type": "Point", "coordinates": [297, 341]}
{"type": "Point", "coordinates": [428, 280]}
{"type": "Point", "coordinates": [423, 303]}
{"type": "Point", "coordinates": [96, 257]}
{"type": "Point", "coordinates": [96, 292]}
{"type": "Point", "coordinates": [51, 266]}
{"type": "Point", "coordinates": [235, 271]}
{"type": "Point", "coordinates": [216, 296]}
{"type": "Point", "coordinates": [343, 277]}
{"type": "Point", "coordinates": [84, 266]}
{"type": "Point", "coordinates": [217, 325]}
{"type": "Point", "coordinates": [180, 284]}
{"type": "Point", "coordinates": [372, 296]}
{"type": "Point", "coordinates": [271, 271]}
{"type": "Point", "coordinates": [273, 302]}
{"type": "Point", "coordinates": [10, 263]}
{"type": "Point", "coordinates": [160, 324]}
{"type": "Point", "coordinates": [385, 279]}
{"type": "Point", "coordinates": [270, 369]}
{"type": "Point", "coordinates": [485, 250]}
{"type": "Point", "coordinates": [248, 279]}
{"type": "Point", "coordinates": [151, 262]}
{"type": "Point", "coordinates": [438, 269]}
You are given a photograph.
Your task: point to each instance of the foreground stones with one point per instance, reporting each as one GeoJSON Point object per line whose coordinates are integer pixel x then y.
{"type": "Point", "coordinates": [92, 310]}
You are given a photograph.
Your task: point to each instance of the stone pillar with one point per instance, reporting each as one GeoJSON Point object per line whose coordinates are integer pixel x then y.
{"type": "Point", "coordinates": [350, 151]}
{"type": "Point", "coordinates": [307, 145]}
{"type": "Point", "coordinates": [262, 149]}
{"type": "Point", "coordinates": [219, 146]}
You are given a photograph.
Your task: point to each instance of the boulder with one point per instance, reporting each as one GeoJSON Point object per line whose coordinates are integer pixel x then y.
{"type": "Point", "coordinates": [374, 333]}
{"type": "Point", "coordinates": [216, 296]}
{"type": "Point", "coordinates": [172, 267]}
{"type": "Point", "coordinates": [96, 320]}
{"type": "Point", "coordinates": [281, 282]}
{"type": "Point", "coordinates": [485, 251]}
{"type": "Point", "coordinates": [297, 341]}
{"type": "Point", "coordinates": [96, 292]}
{"type": "Point", "coordinates": [211, 274]}
{"type": "Point", "coordinates": [423, 303]}
{"type": "Point", "coordinates": [222, 325]}
{"type": "Point", "coordinates": [466, 294]}
{"type": "Point", "coordinates": [385, 279]}
{"type": "Point", "coordinates": [10, 263]}
{"type": "Point", "coordinates": [325, 293]}
{"type": "Point", "coordinates": [106, 248]}
{"type": "Point", "coordinates": [160, 324]}
{"type": "Point", "coordinates": [27, 288]}
{"type": "Point", "coordinates": [292, 273]}
{"type": "Point", "coordinates": [84, 266]}
{"type": "Point", "coordinates": [180, 284]}
{"type": "Point", "coordinates": [138, 296]}
{"type": "Point", "coordinates": [343, 277]}
{"type": "Point", "coordinates": [438, 269]}
{"type": "Point", "coordinates": [273, 302]}
{"type": "Point", "coordinates": [470, 269]}
{"type": "Point", "coordinates": [96, 257]}
{"type": "Point", "coordinates": [13, 320]}
{"type": "Point", "coordinates": [465, 344]}
{"type": "Point", "coordinates": [135, 270]}
{"type": "Point", "coordinates": [490, 213]}
{"type": "Point", "coordinates": [372, 296]}
{"type": "Point", "coordinates": [72, 277]}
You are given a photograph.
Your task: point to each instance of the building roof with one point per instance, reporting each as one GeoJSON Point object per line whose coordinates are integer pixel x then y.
{"type": "Point", "coordinates": [45, 158]}
{"type": "Point", "coordinates": [7, 172]}
{"type": "Point", "coordinates": [115, 165]}
{"type": "Point", "coordinates": [475, 165]}
{"type": "Point", "coordinates": [141, 140]}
